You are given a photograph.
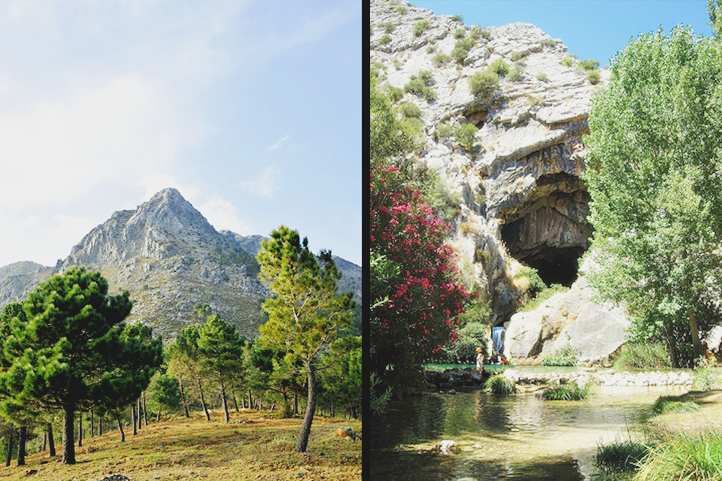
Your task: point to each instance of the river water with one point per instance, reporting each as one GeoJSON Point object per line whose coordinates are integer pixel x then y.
{"type": "Point", "coordinates": [517, 437]}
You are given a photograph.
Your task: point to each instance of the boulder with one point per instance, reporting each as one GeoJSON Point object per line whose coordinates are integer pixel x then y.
{"type": "Point", "coordinates": [446, 446]}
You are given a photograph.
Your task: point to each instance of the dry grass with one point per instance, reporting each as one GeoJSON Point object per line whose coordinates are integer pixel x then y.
{"type": "Point", "coordinates": [252, 447]}
{"type": "Point", "coordinates": [707, 418]}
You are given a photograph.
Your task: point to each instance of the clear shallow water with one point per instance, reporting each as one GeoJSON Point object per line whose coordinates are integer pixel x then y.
{"type": "Point", "coordinates": [519, 437]}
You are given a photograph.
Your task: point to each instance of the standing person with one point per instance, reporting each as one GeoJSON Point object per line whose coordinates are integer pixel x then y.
{"type": "Point", "coordinates": [479, 358]}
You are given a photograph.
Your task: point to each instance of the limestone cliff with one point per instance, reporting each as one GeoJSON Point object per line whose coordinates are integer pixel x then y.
{"type": "Point", "coordinates": [521, 195]}
{"type": "Point", "coordinates": [170, 258]}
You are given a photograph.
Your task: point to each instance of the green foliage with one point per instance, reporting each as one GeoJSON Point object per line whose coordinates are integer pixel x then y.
{"type": "Point", "coordinates": [477, 31]}
{"type": "Point", "coordinates": [516, 56]}
{"type": "Point", "coordinates": [164, 392]}
{"type": "Point", "coordinates": [498, 384]}
{"type": "Point", "coordinates": [483, 84]}
{"type": "Point", "coordinates": [621, 456]}
{"type": "Point", "coordinates": [642, 355]}
{"type": "Point", "coordinates": [684, 457]}
{"type": "Point", "coordinates": [343, 379]}
{"type": "Point", "coordinates": [420, 27]}
{"type": "Point", "coordinates": [401, 10]}
{"type": "Point", "coordinates": [462, 48]}
{"type": "Point", "coordinates": [409, 110]}
{"type": "Point", "coordinates": [419, 84]}
{"type": "Point", "coordinates": [499, 67]}
{"type": "Point", "coordinates": [440, 59]}
{"type": "Point", "coordinates": [543, 296]}
{"type": "Point", "coordinates": [414, 86]}
{"type": "Point", "coordinates": [548, 42]}
{"type": "Point", "coordinates": [443, 131]}
{"type": "Point", "coordinates": [671, 404]}
{"type": "Point", "coordinates": [388, 26]}
{"type": "Point", "coordinates": [593, 76]}
{"type": "Point", "coordinates": [378, 400]}
{"type": "Point", "coordinates": [653, 175]}
{"type": "Point", "coordinates": [570, 391]}
{"type": "Point", "coordinates": [563, 356]}
{"type": "Point", "coordinates": [431, 49]}
{"type": "Point", "coordinates": [460, 33]}
{"type": "Point", "coordinates": [567, 61]}
{"type": "Point", "coordinates": [394, 93]}
{"type": "Point", "coordinates": [471, 336]}
{"type": "Point", "coordinates": [514, 74]}
{"type": "Point", "coordinates": [465, 135]}
{"type": "Point", "coordinates": [390, 135]}
{"type": "Point", "coordinates": [240, 258]}
{"type": "Point", "coordinates": [542, 76]}
{"type": "Point", "coordinates": [457, 18]}
{"type": "Point", "coordinates": [589, 64]}
{"type": "Point", "coordinates": [536, 284]}
{"type": "Point", "coordinates": [706, 378]}
{"type": "Point", "coordinates": [384, 39]}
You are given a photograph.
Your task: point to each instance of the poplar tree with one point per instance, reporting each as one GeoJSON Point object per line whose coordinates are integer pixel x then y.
{"type": "Point", "coordinates": [67, 352]}
{"type": "Point", "coordinates": [305, 312]}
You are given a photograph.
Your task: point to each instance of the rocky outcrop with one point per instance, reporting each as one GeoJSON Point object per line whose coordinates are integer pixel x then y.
{"type": "Point", "coordinates": [521, 196]}
{"type": "Point", "coordinates": [592, 330]}
{"type": "Point", "coordinates": [170, 258]}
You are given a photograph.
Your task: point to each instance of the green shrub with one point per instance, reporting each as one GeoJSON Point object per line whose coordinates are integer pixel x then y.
{"type": "Point", "coordinates": [462, 48]}
{"type": "Point", "coordinates": [457, 18]}
{"type": "Point", "coordinates": [477, 31]}
{"type": "Point", "coordinates": [483, 83]}
{"type": "Point", "coordinates": [460, 33]}
{"type": "Point", "coordinates": [414, 86]}
{"type": "Point", "coordinates": [548, 42]}
{"type": "Point", "coordinates": [420, 27]}
{"type": "Point", "coordinates": [465, 135]}
{"type": "Point", "coordinates": [589, 64]}
{"type": "Point", "coordinates": [498, 384]}
{"type": "Point", "coordinates": [536, 284]}
{"type": "Point", "coordinates": [426, 76]}
{"type": "Point", "coordinates": [388, 26]}
{"type": "Point", "coordinates": [431, 49]}
{"type": "Point", "coordinates": [542, 77]}
{"type": "Point", "coordinates": [378, 69]}
{"type": "Point", "coordinates": [471, 336]}
{"type": "Point", "coordinates": [543, 296]}
{"type": "Point", "coordinates": [564, 356]}
{"type": "Point", "coordinates": [395, 93]}
{"type": "Point", "coordinates": [443, 131]}
{"type": "Point", "coordinates": [645, 355]}
{"type": "Point", "coordinates": [384, 39]}
{"type": "Point", "coordinates": [499, 67]}
{"type": "Point", "coordinates": [682, 457]}
{"type": "Point", "coordinates": [705, 378]}
{"type": "Point", "coordinates": [440, 59]}
{"type": "Point", "coordinates": [570, 391]}
{"type": "Point", "coordinates": [621, 456]}
{"type": "Point", "coordinates": [567, 61]}
{"type": "Point", "coordinates": [429, 94]}
{"type": "Point", "coordinates": [593, 76]}
{"type": "Point", "coordinates": [516, 56]}
{"type": "Point", "coordinates": [672, 404]}
{"type": "Point", "coordinates": [514, 74]}
{"type": "Point", "coordinates": [409, 110]}
{"type": "Point", "coordinates": [402, 10]}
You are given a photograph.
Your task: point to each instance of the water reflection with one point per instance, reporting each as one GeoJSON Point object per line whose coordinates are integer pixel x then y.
{"type": "Point", "coordinates": [518, 437]}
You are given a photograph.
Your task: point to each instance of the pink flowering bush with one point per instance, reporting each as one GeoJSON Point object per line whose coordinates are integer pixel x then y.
{"type": "Point", "coordinates": [423, 299]}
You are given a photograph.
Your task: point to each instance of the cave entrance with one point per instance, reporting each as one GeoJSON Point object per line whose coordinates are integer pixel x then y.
{"type": "Point", "coordinates": [549, 231]}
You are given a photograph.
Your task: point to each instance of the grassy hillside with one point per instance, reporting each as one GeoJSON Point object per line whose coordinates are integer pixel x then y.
{"type": "Point", "coordinates": [253, 446]}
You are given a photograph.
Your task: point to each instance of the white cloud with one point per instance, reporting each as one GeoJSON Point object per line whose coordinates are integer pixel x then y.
{"type": "Point", "coordinates": [264, 186]}
{"type": "Point", "coordinates": [224, 216]}
{"type": "Point", "coordinates": [278, 143]}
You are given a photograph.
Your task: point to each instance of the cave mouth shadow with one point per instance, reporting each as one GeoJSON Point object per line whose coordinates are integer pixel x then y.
{"type": "Point", "coordinates": [555, 265]}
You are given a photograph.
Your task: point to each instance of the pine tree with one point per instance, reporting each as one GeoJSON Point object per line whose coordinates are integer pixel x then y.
{"type": "Point", "coordinates": [305, 314]}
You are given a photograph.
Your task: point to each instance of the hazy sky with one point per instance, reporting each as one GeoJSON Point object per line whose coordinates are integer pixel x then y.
{"type": "Point", "coordinates": [591, 29]}
{"type": "Point", "coordinates": [251, 109]}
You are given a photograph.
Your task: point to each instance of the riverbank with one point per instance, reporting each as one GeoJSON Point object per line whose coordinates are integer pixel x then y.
{"type": "Point", "coordinates": [705, 419]}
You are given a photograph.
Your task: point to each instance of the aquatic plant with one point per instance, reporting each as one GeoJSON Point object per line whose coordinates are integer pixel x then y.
{"type": "Point", "coordinates": [672, 404]}
{"type": "Point", "coordinates": [566, 392]}
{"type": "Point", "coordinates": [642, 355]}
{"type": "Point", "coordinates": [621, 456]}
{"type": "Point", "coordinates": [498, 384]}
{"type": "Point", "coordinates": [564, 356]}
{"type": "Point", "coordinates": [684, 457]}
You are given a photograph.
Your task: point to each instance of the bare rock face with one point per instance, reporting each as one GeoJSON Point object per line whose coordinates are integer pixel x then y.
{"type": "Point", "coordinates": [521, 195]}
{"type": "Point", "coordinates": [170, 258]}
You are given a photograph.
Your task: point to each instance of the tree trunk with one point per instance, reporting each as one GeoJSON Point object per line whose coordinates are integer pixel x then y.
{"type": "Point", "coordinates": [295, 403]}
{"type": "Point", "coordinates": [92, 423]}
{"type": "Point", "coordinates": [68, 434]}
{"type": "Point", "coordinates": [22, 439]}
{"type": "Point", "coordinates": [695, 334]}
{"type": "Point", "coordinates": [80, 429]}
{"type": "Point", "coordinates": [134, 419]}
{"type": "Point", "coordinates": [671, 345]}
{"type": "Point", "coordinates": [45, 443]}
{"type": "Point", "coordinates": [203, 401]}
{"type": "Point", "coordinates": [10, 447]}
{"type": "Point", "coordinates": [51, 441]}
{"type": "Point", "coordinates": [145, 411]}
{"type": "Point", "coordinates": [100, 425]}
{"type": "Point", "coordinates": [122, 433]}
{"type": "Point", "coordinates": [157, 416]}
{"type": "Point", "coordinates": [310, 409]}
{"type": "Point", "coordinates": [235, 402]}
{"type": "Point", "coordinates": [183, 397]}
{"type": "Point", "coordinates": [140, 416]}
{"type": "Point", "coordinates": [333, 408]}
{"type": "Point", "coordinates": [250, 399]}
{"type": "Point", "coordinates": [224, 398]}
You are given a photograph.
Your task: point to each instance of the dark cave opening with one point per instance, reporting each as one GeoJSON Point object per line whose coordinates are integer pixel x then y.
{"type": "Point", "coordinates": [556, 265]}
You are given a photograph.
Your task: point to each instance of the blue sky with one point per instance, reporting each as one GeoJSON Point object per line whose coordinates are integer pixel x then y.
{"type": "Point", "coordinates": [251, 109]}
{"type": "Point", "coordinates": [591, 29]}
